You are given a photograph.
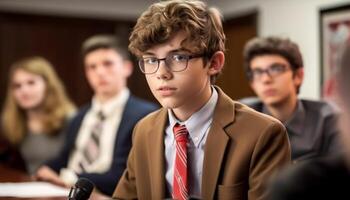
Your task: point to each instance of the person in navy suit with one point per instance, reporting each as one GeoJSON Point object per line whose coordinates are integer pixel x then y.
{"type": "Point", "coordinates": [99, 136]}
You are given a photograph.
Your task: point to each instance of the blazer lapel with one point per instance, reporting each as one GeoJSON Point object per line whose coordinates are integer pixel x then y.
{"type": "Point", "coordinates": [216, 143]}
{"type": "Point", "coordinates": [156, 155]}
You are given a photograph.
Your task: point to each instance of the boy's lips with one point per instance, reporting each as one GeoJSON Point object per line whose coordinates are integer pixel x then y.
{"type": "Point", "coordinates": [102, 83]}
{"type": "Point", "coordinates": [166, 90]}
{"type": "Point", "coordinates": [270, 92]}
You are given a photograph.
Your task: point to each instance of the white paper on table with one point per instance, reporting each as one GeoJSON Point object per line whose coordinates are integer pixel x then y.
{"type": "Point", "coordinates": [32, 190]}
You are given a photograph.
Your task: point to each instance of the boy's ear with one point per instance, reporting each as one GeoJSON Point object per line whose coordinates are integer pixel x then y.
{"type": "Point", "coordinates": [128, 68]}
{"type": "Point", "coordinates": [216, 63]}
{"type": "Point", "coordinates": [298, 76]}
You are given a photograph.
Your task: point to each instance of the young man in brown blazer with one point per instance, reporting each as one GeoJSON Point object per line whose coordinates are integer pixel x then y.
{"type": "Point", "coordinates": [201, 144]}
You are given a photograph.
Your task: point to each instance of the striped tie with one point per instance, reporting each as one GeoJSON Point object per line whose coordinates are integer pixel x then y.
{"type": "Point", "coordinates": [92, 149]}
{"type": "Point", "coordinates": [180, 184]}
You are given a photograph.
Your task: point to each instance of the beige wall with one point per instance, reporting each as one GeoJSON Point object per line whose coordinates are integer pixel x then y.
{"type": "Point", "coordinates": [297, 19]}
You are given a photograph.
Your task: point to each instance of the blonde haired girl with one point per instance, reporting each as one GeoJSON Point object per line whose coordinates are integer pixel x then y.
{"type": "Point", "coordinates": [35, 111]}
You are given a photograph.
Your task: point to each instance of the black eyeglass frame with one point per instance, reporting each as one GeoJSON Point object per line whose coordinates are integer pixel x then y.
{"type": "Point", "coordinates": [189, 57]}
{"type": "Point", "coordinates": [268, 71]}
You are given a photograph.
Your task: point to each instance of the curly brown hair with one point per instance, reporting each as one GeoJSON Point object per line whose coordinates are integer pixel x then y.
{"type": "Point", "coordinates": [162, 20]}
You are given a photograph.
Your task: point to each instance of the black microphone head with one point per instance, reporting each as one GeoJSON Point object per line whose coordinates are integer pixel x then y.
{"type": "Point", "coordinates": [85, 184]}
{"type": "Point", "coordinates": [81, 190]}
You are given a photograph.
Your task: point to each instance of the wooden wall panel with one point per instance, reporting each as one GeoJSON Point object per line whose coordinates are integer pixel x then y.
{"type": "Point", "coordinates": [238, 31]}
{"type": "Point", "coordinates": [59, 39]}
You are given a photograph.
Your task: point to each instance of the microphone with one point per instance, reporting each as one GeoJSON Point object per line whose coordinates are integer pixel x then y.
{"type": "Point", "coordinates": [81, 190]}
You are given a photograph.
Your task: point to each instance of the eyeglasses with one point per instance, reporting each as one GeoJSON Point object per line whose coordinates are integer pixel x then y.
{"type": "Point", "coordinates": [272, 71]}
{"type": "Point", "coordinates": [176, 62]}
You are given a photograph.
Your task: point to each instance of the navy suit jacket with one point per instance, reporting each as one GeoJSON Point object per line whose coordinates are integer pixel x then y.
{"type": "Point", "coordinates": [135, 109]}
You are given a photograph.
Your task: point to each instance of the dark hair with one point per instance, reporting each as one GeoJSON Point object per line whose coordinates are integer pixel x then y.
{"type": "Point", "coordinates": [161, 20]}
{"type": "Point", "coordinates": [104, 42]}
{"type": "Point", "coordinates": [272, 46]}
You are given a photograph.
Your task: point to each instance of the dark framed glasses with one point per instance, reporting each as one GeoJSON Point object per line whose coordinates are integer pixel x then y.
{"type": "Point", "coordinates": [175, 62]}
{"type": "Point", "coordinates": [273, 70]}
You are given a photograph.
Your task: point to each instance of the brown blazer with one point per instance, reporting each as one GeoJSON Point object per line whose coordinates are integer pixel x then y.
{"type": "Point", "coordinates": [242, 150]}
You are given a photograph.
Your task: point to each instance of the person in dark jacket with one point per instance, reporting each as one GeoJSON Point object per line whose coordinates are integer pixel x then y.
{"type": "Point", "coordinates": [274, 67]}
{"type": "Point", "coordinates": [322, 178]}
{"type": "Point", "coordinates": [99, 137]}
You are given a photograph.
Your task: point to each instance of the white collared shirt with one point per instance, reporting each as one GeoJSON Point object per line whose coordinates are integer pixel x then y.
{"type": "Point", "coordinates": [112, 110]}
{"type": "Point", "coordinates": [198, 126]}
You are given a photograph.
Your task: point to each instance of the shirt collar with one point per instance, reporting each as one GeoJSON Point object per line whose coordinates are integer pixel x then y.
{"type": "Point", "coordinates": [195, 124]}
{"type": "Point", "coordinates": [109, 107]}
{"type": "Point", "coordinates": [295, 124]}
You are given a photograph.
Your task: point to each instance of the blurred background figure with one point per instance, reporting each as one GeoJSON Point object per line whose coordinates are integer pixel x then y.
{"type": "Point", "coordinates": [36, 110]}
{"type": "Point", "coordinates": [275, 70]}
{"type": "Point", "coordinates": [343, 85]}
{"type": "Point", "coordinates": [322, 178]}
{"type": "Point", "coordinates": [99, 136]}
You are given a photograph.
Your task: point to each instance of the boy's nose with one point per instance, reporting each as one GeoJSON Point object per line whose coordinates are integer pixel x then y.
{"type": "Point", "coordinates": [163, 71]}
{"type": "Point", "coordinates": [266, 77]}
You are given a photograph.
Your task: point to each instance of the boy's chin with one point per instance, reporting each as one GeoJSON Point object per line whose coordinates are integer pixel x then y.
{"type": "Point", "coordinates": [272, 101]}
{"type": "Point", "coordinates": [168, 104]}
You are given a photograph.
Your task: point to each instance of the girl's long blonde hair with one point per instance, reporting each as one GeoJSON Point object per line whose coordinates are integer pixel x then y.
{"type": "Point", "coordinates": [56, 106]}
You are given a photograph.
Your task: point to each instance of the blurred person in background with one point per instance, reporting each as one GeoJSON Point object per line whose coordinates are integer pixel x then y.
{"type": "Point", "coordinates": [274, 67]}
{"type": "Point", "coordinates": [35, 112]}
{"type": "Point", "coordinates": [322, 178]}
{"type": "Point", "coordinates": [99, 136]}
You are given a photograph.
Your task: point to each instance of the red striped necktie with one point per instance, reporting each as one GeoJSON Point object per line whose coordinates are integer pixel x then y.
{"type": "Point", "coordinates": [180, 183]}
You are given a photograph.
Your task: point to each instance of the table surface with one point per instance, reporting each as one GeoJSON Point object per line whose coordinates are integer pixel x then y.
{"type": "Point", "coordinates": [12, 175]}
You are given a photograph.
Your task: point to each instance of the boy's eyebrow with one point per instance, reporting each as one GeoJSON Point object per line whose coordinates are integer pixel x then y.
{"type": "Point", "coordinates": [147, 53]}
{"type": "Point", "coordinates": [182, 49]}
{"type": "Point", "coordinates": [269, 66]}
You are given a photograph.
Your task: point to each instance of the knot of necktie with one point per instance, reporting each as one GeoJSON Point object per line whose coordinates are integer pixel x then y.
{"type": "Point", "coordinates": [101, 116]}
{"type": "Point", "coordinates": [180, 133]}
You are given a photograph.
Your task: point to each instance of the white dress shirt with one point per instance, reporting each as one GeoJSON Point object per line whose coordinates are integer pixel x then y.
{"type": "Point", "coordinates": [198, 126]}
{"type": "Point", "coordinates": [112, 110]}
